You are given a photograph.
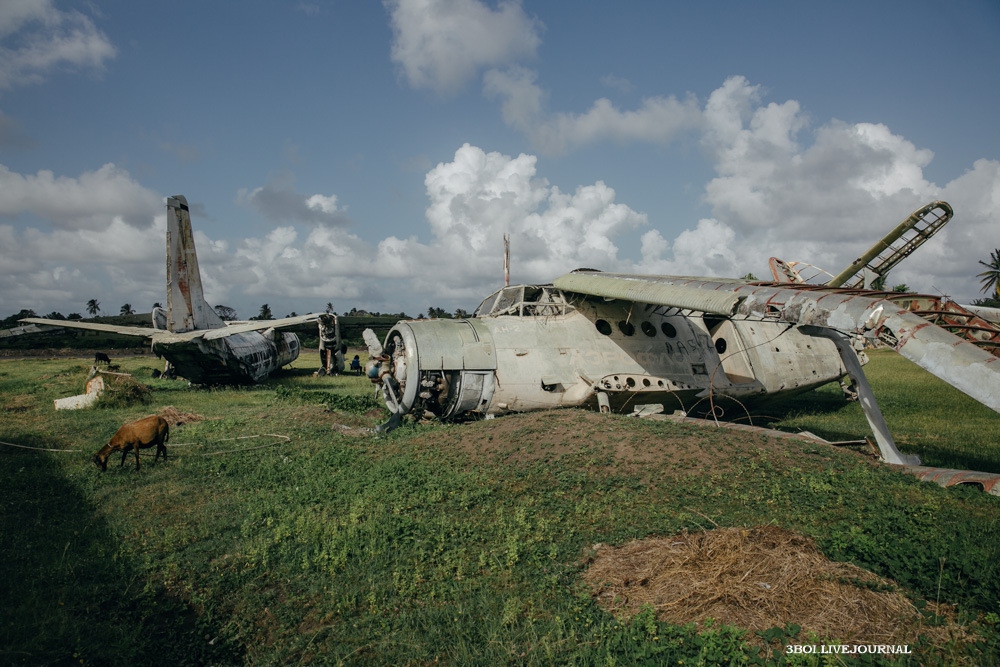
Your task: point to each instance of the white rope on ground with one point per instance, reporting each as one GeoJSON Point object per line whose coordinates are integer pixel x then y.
{"type": "Point", "coordinates": [285, 438]}
{"type": "Point", "coordinates": [38, 449]}
{"type": "Point", "coordinates": [243, 449]}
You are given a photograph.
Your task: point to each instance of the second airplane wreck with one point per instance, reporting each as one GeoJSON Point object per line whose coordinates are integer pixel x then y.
{"type": "Point", "coordinates": [189, 334]}
{"type": "Point", "coordinates": [615, 341]}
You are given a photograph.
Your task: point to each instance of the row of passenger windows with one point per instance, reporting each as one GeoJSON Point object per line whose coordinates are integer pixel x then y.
{"type": "Point", "coordinates": [628, 328]}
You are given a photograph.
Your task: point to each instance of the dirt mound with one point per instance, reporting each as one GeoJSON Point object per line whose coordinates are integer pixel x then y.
{"type": "Point", "coordinates": [755, 579]}
{"type": "Point", "coordinates": [646, 451]}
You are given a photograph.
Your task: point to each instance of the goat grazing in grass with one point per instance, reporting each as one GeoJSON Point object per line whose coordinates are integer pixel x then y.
{"type": "Point", "coordinates": [140, 434]}
{"type": "Point", "coordinates": [101, 356]}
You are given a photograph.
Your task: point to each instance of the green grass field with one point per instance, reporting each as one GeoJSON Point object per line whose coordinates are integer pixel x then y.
{"type": "Point", "coordinates": [282, 531]}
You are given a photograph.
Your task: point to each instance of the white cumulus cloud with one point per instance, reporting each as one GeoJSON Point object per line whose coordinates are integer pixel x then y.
{"type": "Point", "coordinates": [278, 201]}
{"type": "Point", "coordinates": [657, 120]}
{"type": "Point", "coordinates": [38, 38]}
{"type": "Point", "coordinates": [442, 44]}
{"type": "Point", "coordinates": [89, 201]}
{"type": "Point", "coordinates": [474, 200]}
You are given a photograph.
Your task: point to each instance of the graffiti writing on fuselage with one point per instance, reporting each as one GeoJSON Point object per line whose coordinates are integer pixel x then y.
{"type": "Point", "coordinates": [692, 346]}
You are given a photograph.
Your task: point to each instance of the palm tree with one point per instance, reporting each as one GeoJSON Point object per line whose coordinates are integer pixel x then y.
{"type": "Point", "coordinates": [990, 278]}
{"type": "Point", "coordinates": [93, 307]}
{"type": "Point", "coordinates": [127, 309]}
{"type": "Point", "coordinates": [329, 306]}
{"type": "Point", "coordinates": [265, 313]}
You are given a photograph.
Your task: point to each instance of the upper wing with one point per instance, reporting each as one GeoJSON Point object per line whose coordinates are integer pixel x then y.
{"type": "Point", "coordinates": [701, 294]}
{"type": "Point", "coordinates": [956, 361]}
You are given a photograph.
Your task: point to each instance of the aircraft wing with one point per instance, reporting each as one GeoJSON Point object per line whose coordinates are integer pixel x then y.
{"type": "Point", "coordinates": [256, 325]}
{"type": "Point", "coordinates": [145, 332]}
{"type": "Point", "coordinates": [958, 362]}
{"type": "Point", "coordinates": [163, 336]}
{"type": "Point", "coordinates": [700, 294]}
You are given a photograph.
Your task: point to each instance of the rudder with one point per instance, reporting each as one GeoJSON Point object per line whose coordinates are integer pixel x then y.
{"type": "Point", "coordinates": [186, 305]}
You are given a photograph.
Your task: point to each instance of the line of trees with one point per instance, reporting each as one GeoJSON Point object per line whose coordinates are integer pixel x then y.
{"type": "Point", "coordinates": [989, 280]}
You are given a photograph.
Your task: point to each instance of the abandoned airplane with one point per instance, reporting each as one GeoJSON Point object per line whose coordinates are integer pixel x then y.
{"type": "Point", "coordinates": [197, 343]}
{"type": "Point", "coordinates": [612, 341]}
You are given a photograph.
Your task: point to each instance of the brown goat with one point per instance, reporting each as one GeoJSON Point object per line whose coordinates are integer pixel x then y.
{"type": "Point", "coordinates": [140, 434]}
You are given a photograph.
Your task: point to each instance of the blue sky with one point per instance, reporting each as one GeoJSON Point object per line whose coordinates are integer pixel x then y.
{"type": "Point", "coordinates": [373, 154]}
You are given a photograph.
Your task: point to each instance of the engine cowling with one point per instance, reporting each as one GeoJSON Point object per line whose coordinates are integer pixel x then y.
{"type": "Point", "coordinates": [444, 367]}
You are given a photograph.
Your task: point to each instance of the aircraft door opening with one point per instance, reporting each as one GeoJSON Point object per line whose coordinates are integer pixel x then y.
{"type": "Point", "coordinates": [731, 349]}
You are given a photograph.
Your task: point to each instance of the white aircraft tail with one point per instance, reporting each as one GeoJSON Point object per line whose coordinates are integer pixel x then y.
{"type": "Point", "coordinates": [186, 305]}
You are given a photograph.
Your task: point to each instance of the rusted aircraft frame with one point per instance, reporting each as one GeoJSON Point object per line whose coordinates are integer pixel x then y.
{"type": "Point", "coordinates": [936, 310]}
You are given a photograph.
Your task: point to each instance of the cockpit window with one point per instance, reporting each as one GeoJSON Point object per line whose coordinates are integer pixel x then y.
{"type": "Point", "coordinates": [486, 305]}
{"type": "Point", "coordinates": [525, 301]}
{"type": "Point", "coordinates": [508, 300]}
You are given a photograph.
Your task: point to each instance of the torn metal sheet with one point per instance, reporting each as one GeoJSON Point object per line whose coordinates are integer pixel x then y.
{"type": "Point", "coordinates": [987, 481]}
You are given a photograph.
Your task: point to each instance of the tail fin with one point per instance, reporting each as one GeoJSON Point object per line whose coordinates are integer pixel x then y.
{"type": "Point", "coordinates": [186, 305]}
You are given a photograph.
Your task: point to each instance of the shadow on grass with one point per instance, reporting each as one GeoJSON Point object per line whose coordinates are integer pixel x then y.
{"type": "Point", "coordinates": [70, 595]}
{"type": "Point", "coordinates": [824, 406]}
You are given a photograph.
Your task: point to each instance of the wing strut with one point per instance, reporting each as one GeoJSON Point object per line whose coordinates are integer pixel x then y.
{"type": "Point", "coordinates": [866, 397]}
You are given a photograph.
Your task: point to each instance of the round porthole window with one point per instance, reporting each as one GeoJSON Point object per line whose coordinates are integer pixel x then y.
{"type": "Point", "coordinates": [626, 328]}
{"type": "Point", "coordinates": [668, 330]}
{"type": "Point", "coordinates": [721, 345]}
{"type": "Point", "coordinates": [604, 327]}
{"type": "Point", "coordinates": [648, 329]}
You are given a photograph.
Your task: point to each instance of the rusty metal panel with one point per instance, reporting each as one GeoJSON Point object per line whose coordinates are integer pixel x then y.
{"type": "Point", "coordinates": [988, 482]}
{"type": "Point", "coordinates": [954, 360]}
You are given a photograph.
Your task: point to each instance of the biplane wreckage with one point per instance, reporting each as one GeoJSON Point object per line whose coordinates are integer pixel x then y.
{"type": "Point", "coordinates": [615, 341]}
{"type": "Point", "coordinates": [191, 336]}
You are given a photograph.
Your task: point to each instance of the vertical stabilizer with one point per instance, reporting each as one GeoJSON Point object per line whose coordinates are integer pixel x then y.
{"type": "Point", "coordinates": [186, 305]}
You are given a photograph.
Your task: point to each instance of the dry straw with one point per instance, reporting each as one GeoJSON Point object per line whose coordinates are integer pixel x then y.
{"type": "Point", "coordinates": [756, 579]}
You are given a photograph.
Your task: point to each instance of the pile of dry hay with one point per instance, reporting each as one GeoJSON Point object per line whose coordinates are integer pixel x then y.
{"type": "Point", "coordinates": [756, 579]}
{"type": "Point", "coordinates": [175, 417]}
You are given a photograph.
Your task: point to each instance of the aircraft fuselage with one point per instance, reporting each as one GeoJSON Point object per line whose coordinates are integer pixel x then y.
{"type": "Point", "coordinates": [247, 357]}
{"type": "Point", "coordinates": [535, 350]}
